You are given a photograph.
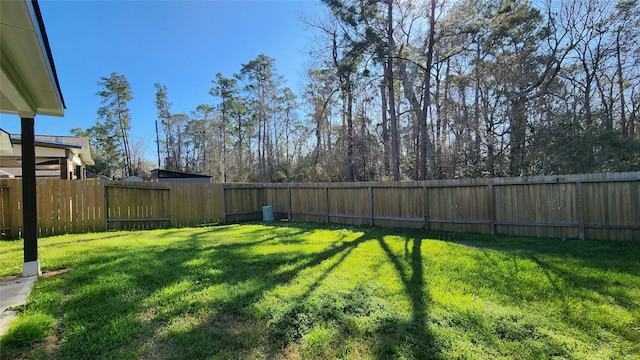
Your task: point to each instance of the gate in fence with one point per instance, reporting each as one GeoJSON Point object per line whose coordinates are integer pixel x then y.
{"type": "Point", "coordinates": [144, 206]}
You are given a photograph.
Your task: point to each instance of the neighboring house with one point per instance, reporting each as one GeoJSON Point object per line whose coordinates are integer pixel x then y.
{"type": "Point", "coordinates": [178, 177]}
{"type": "Point", "coordinates": [60, 157]}
{"type": "Point", "coordinates": [5, 143]}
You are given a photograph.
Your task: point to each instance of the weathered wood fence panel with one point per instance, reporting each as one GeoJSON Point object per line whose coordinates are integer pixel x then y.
{"type": "Point", "coordinates": [278, 198]}
{"type": "Point", "coordinates": [593, 206]}
{"type": "Point", "coordinates": [64, 206]}
{"type": "Point", "coordinates": [310, 204]}
{"type": "Point", "coordinates": [397, 207]}
{"type": "Point", "coordinates": [16, 207]}
{"type": "Point", "coordinates": [196, 204]}
{"type": "Point", "coordinates": [459, 208]}
{"type": "Point", "coordinates": [7, 211]}
{"type": "Point", "coordinates": [77, 206]}
{"type": "Point", "coordinates": [349, 205]}
{"type": "Point", "coordinates": [548, 210]}
{"type": "Point", "coordinates": [616, 215]}
{"type": "Point", "coordinates": [243, 202]}
{"type": "Point", "coordinates": [138, 205]}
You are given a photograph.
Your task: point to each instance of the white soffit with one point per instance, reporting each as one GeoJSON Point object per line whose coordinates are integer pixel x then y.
{"type": "Point", "coordinates": [28, 82]}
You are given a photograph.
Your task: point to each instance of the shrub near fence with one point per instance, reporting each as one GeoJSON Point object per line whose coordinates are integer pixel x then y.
{"type": "Point", "coordinates": [596, 206]}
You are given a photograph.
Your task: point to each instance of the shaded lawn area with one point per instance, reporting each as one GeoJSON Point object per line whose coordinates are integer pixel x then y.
{"type": "Point", "coordinates": [298, 290]}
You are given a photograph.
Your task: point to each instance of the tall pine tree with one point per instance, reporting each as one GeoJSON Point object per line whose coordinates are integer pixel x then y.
{"type": "Point", "coordinates": [114, 121]}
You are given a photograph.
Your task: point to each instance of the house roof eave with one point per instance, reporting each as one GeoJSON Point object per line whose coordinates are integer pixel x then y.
{"type": "Point", "coordinates": [30, 83]}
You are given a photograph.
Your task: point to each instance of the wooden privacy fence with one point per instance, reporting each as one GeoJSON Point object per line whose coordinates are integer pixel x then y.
{"type": "Point", "coordinates": [156, 205]}
{"type": "Point", "coordinates": [137, 206]}
{"type": "Point", "coordinates": [78, 206]}
{"type": "Point", "coordinates": [593, 206]}
{"type": "Point", "coordinates": [596, 206]}
{"type": "Point", "coordinates": [63, 207]}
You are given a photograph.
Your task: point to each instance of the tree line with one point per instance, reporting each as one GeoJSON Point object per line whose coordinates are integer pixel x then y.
{"type": "Point", "coordinates": [404, 90]}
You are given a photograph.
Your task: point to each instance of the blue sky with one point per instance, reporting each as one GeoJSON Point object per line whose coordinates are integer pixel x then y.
{"type": "Point", "coordinates": [181, 44]}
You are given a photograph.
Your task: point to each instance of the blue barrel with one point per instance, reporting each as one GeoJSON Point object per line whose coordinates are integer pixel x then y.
{"type": "Point", "coordinates": [267, 213]}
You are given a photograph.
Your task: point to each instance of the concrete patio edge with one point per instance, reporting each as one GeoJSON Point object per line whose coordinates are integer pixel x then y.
{"type": "Point", "coordinates": [13, 292]}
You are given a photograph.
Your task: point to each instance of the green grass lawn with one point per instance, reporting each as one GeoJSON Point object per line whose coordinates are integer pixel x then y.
{"type": "Point", "coordinates": [308, 291]}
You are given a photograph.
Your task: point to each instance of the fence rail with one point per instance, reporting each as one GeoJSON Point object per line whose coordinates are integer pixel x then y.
{"type": "Point", "coordinates": [592, 206]}
{"type": "Point", "coordinates": [78, 206]}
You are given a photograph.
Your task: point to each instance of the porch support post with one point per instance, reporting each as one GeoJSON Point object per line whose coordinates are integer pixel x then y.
{"type": "Point", "coordinates": [31, 265]}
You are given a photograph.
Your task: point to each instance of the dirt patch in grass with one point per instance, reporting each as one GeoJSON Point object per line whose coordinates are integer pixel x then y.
{"type": "Point", "coordinates": [10, 278]}
{"type": "Point", "coordinates": [45, 274]}
{"type": "Point", "coordinates": [52, 343]}
{"type": "Point", "coordinates": [42, 350]}
{"type": "Point", "coordinates": [291, 352]}
{"type": "Point", "coordinates": [52, 273]}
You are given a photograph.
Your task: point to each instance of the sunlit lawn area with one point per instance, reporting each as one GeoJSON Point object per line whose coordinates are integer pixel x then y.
{"type": "Point", "coordinates": [310, 291]}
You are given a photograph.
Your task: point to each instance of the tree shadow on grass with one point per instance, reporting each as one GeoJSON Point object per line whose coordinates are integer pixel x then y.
{"type": "Point", "coordinates": [111, 304]}
{"type": "Point", "coordinates": [414, 333]}
{"type": "Point", "coordinates": [598, 290]}
{"type": "Point", "coordinates": [620, 256]}
{"type": "Point", "coordinates": [198, 298]}
{"type": "Point", "coordinates": [47, 242]}
{"type": "Point", "coordinates": [233, 327]}
{"type": "Point", "coordinates": [603, 267]}
{"type": "Point", "coordinates": [564, 280]}
{"type": "Point", "coordinates": [587, 283]}
{"type": "Point", "coordinates": [203, 297]}
{"type": "Point", "coordinates": [102, 303]}
{"type": "Point", "coordinates": [326, 319]}
{"type": "Point", "coordinates": [301, 314]}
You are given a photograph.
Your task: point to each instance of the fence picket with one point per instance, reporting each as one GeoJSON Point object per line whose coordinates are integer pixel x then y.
{"type": "Point", "coordinates": [593, 206]}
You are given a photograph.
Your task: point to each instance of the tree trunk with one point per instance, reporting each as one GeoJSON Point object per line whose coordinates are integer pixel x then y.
{"type": "Point", "coordinates": [587, 94]}
{"type": "Point", "coordinates": [350, 132]}
{"type": "Point", "coordinates": [395, 146]}
{"type": "Point", "coordinates": [427, 155]}
{"type": "Point", "coordinates": [385, 128]}
{"type": "Point", "coordinates": [476, 119]}
{"type": "Point", "coordinates": [224, 142]}
{"type": "Point", "coordinates": [623, 119]}
{"type": "Point", "coordinates": [517, 134]}
{"type": "Point", "coordinates": [316, 156]}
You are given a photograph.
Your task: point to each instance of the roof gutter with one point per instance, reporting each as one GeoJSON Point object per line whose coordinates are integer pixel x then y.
{"type": "Point", "coordinates": [34, 11]}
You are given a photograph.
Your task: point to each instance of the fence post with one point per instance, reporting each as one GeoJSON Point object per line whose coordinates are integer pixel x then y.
{"type": "Point", "coordinates": [425, 205]}
{"type": "Point", "coordinates": [326, 201]}
{"type": "Point", "coordinates": [170, 206]}
{"type": "Point", "coordinates": [492, 212]}
{"type": "Point", "coordinates": [370, 206]}
{"type": "Point", "coordinates": [289, 201]}
{"type": "Point", "coordinates": [106, 207]}
{"type": "Point", "coordinates": [580, 205]}
{"type": "Point", "coordinates": [224, 204]}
